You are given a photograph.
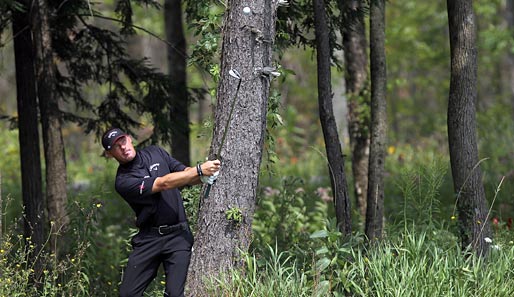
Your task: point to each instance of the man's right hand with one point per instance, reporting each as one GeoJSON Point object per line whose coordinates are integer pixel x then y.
{"type": "Point", "coordinates": [209, 168]}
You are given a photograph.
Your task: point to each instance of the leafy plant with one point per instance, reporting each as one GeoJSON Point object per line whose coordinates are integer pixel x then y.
{"type": "Point", "coordinates": [191, 197]}
{"type": "Point", "coordinates": [286, 216]}
{"type": "Point", "coordinates": [63, 275]}
{"type": "Point", "coordinates": [420, 187]}
{"type": "Point", "coordinates": [334, 257]}
{"type": "Point", "coordinates": [234, 215]}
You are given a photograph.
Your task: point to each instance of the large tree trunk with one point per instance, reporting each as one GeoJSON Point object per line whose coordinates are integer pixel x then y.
{"type": "Point", "coordinates": [55, 160]}
{"type": "Point", "coordinates": [375, 195]}
{"type": "Point", "coordinates": [467, 176]}
{"type": "Point", "coordinates": [357, 90]}
{"type": "Point", "coordinates": [247, 48]}
{"type": "Point", "coordinates": [30, 159]}
{"type": "Point", "coordinates": [177, 71]}
{"type": "Point", "coordinates": [328, 123]}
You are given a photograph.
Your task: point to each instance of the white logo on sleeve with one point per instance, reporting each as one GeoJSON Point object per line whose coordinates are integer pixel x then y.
{"type": "Point", "coordinates": [141, 188]}
{"type": "Point", "coordinates": [154, 167]}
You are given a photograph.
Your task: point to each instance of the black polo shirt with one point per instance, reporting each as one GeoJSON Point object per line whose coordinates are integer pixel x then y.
{"type": "Point", "coordinates": [134, 182]}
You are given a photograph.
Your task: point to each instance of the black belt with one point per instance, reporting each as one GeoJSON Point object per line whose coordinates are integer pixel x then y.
{"type": "Point", "coordinates": [167, 229]}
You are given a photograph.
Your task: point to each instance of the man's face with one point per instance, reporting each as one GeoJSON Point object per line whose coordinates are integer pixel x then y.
{"type": "Point", "coordinates": [123, 150]}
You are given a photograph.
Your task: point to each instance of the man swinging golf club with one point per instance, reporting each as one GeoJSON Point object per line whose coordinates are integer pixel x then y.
{"type": "Point", "coordinates": [149, 180]}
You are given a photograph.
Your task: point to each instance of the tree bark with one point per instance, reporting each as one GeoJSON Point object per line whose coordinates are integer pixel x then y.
{"type": "Point", "coordinates": [247, 48]}
{"type": "Point", "coordinates": [51, 122]}
{"type": "Point", "coordinates": [328, 123]}
{"type": "Point", "coordinates": [180, 144]}
{"type": "Point", "coordinates": [375, 195]}
{"type": "Point", "coordinates": [467, 176]}
{"type": "Point", "coordinates": [33, 214]}
{"type": "Point", "coordinates": [357, 90]}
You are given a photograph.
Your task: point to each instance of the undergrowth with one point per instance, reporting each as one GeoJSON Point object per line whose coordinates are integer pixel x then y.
{"type": "Point", "coordinates": [296, 250]}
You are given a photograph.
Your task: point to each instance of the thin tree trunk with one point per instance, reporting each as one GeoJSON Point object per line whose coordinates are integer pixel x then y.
{"type": "Point", "coordinates": [375, 196]}
{"type": "Point", "coordinates": [247, 49]}
{"type": "Point", "coordinates": [328, 123]}
{"type": "Point", "coordinates": [56, 176]}
{"type": "Point", "coordinates": [467, 176]}
{"type": "Point", "coordinates": [180, 144]}
{"type": "Point", "coordinates": [31, 180]}
{"type": "Point", "coordinates": [357, 90]}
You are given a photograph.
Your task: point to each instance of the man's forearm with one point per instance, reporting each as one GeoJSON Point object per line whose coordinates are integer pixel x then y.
{"type": "Point", "coordinates": [176, 180]}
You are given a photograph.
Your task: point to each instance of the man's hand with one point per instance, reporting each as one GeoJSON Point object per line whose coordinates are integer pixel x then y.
{"type": "Point", "coordinates": [210, 167]}
{"type": "Point", "coordinates": [210, 179]}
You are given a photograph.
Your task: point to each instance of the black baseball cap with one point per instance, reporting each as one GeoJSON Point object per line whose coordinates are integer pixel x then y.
{"type": "Point", "coordinates": [110, 136]}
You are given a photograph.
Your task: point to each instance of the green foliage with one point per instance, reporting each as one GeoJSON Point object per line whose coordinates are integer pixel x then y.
{"type": "Point", "coordinates": [420, 189]}
{"type": "Point", "coordinates": [61, 278]}
{"type": "Point", "coordinates": [417, 51]}
{"type": "Point", "coordinates": [68, 274]}
{"type": "Point", "coordinates": [204, 19]}
{"type": "Point", "coordinates": [412, 170]}
{"type": "Point", "coordinates": [234, 215]}
{"type": "Point", "coordinates": [102, 259]}
{"type": "Point", "coordinates": [273, 120]}
{"type": "Point", "coordinates": [90, 54]}
{"type": "Point", "coordinates": [286, 216]}
{"type": "Point", "coordinates": [407, 263]}
{"type": "Point", "coordinates": [333, 256]}
{"type": "Point", "coordinates": [10, 185]}
{"type": "Point", "coordinates": [290, 144]}
{"type": "Point", "coordinates": [420, 255]}
{"type": "Point", "coordinates": [496, 145]}
{"type": "Point", "coordinates": [277, 275]}
{"type": "Point", "coordinates": [191, 198]}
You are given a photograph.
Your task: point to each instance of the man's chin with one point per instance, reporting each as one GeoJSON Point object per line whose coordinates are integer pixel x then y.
{"type": "Point", "coordinates": [125, 158]}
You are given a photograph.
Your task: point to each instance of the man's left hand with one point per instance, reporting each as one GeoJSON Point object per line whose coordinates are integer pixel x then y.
{"type": "Point", "coordinates": [210, 179]}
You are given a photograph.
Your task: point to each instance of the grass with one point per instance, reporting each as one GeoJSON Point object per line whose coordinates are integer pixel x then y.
{"type": "Point", "coordinates": [408, 264]}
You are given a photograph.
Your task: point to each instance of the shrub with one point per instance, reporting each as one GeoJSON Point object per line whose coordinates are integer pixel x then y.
{"type": "Point", "coordinates": [286, 216]}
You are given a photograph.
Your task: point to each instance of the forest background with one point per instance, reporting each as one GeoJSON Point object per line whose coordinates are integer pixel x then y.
{"type": "Point", "coordinates": [294, 192]}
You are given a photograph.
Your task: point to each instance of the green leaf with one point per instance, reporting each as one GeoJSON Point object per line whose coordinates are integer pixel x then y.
{"type": "Point", "coordinates": [322, 251]}
{"type": "Point", "coordinates": [322, 264]}
{"type": "Point", "coordinates": [320, 234]}
{"type": "Point", "coordinates": [323, 288]}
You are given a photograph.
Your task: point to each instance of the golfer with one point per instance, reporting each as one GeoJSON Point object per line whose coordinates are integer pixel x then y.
{"type": "Point", "coordinates": [149, 180]}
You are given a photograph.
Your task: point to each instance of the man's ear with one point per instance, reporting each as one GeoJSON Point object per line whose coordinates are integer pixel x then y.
{"type": "Point", "coordinates": [107, 154]}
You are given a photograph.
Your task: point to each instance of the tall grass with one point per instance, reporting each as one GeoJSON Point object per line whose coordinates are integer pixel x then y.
{"type": "Point", "coordinates": [60, 276]}
{"type": "Point", "coordinates": [88, 262]}
{"type": "Point", "coordinates": [410, 264]}
{"type": "Point", "coordinates": [277, 275]}
{"type": "Point", "coordinates": [419, 256]}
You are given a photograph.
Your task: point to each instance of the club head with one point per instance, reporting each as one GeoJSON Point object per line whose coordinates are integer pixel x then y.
{"type": "Point", "coordinates": [234, 73]}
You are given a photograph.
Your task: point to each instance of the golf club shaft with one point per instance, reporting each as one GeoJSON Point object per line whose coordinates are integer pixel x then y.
{"type": "Point", "coordinates": [208, 189]}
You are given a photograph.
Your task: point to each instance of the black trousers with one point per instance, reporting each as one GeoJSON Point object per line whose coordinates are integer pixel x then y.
{"type": "Point", "coordinates": [150, 249]}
